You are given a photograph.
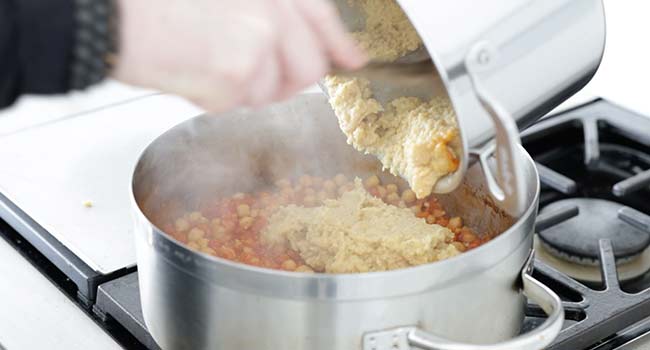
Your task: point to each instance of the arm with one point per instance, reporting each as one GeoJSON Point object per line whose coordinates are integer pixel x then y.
{"type": "Point", "coordinates": [220, 54]}
{"type": "Point", "coordinates": [36, 39]}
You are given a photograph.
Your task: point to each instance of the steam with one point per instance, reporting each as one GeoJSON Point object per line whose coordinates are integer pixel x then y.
{"type": "Point", "coordinates": [209, 157]}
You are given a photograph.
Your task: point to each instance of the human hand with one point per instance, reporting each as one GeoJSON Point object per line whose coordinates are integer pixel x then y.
{"type": "Point", "coordinates": [223, 54]}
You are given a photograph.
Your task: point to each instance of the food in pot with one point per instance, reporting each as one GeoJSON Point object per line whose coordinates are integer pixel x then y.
{"type": "Point", "coordinates": [415, 139]}
{"type": "Point", "coordinates": [388, 34]}
{"type": "Point", "coordinates": [358, 233]}
{"type": "Point", "coordinates": [237, 227]}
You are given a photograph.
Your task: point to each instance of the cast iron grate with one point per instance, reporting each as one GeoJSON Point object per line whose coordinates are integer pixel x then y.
{"type": "Point", "coordinates": [598, 151]}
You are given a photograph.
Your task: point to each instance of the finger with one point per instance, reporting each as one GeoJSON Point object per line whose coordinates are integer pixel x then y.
{"type": "Point", "coordinates": [326, 22]}
{"type": "Point", "coordinates": [303, 57]}
{"type": "Point", "coordinates": [266, 83]}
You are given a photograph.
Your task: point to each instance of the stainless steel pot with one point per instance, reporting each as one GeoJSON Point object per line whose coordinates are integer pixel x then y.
{"type": "Point", "coordinates": [503, 65]}
{"type": "Point", "coordinates": [195, 301]}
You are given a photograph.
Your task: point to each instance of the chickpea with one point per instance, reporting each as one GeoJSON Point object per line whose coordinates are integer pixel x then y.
{"type": "Point", "coordinates": [283, 183]}
{"type": "Point", "coordinates": [246, 222]}
{"type": "Point", "coordinates": [195, 216]}
{"type": "Point", "coordinates": [467, 236]}
{"type": "Point", "coordinates": [207, 250]}
{"type": "Point", "coordinates": [408, 196]}
{"type": "Point", "coordinates": [321, 196]}
{"type": "Point", "coordinates": [226, 253]}
{"type": "Point", "coordinates": [340, 179]}
{"type": "Point", "coordinates": [382, 191]}
{"type": "Point", "coordinates": [304, 268]}
{"type": "Point", "coordinates": [455, 222]}
{"type": "Point", "coordinates": [181, 225]}
{"type": "Point", "coordinates": [202, 242]}
{"type": "Point", "coordinates": [305, 180]}
{"type": "Point", "coordinates": [392, 198]}
{"type": "Point", "coordinates": [248, 250]}
{"type": "Point", "coordinates": [329, 186]}
{"type": "Point", "coordinates": [371, 181]}
{"type": "Point", "coordinates": [193, 246]}
{"type": "Point", "coordinates": [239, 195]}
{"type": "Point", "coordinates": [219, 233]}
{"type": "Point", "coordinates": [289, 265]}
{"type": "Point", "coordinates": [460, 246]}
{"type": "Point", "coordinates": [391, 188]}
{"type": "Point", "coordinates": [243, 210]}
{"type": "Point", "coordinates": [255, 213]}
{"type": "Point", "coordinates": [195, 234]}
{"type": "Point", "coordinates": [215, 221]}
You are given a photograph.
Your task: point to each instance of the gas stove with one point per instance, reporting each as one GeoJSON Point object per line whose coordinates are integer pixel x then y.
{"type": "Point", "coordinates": [591, 247]}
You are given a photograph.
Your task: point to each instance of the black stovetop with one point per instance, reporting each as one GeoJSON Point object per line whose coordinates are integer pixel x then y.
{"type": "Point", "coordinates": [586, 153]}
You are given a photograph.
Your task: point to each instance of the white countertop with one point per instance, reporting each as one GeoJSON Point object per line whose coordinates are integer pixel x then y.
{"type": "Point", "coordinates": [51, 169]}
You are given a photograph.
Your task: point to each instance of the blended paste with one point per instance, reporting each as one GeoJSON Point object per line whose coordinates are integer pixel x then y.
{"type": "Point", "coordinates": [358, 233]}
{"type": "Point", "coordinates": [415, 139]}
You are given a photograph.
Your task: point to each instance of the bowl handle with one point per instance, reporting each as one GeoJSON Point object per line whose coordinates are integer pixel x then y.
{"type": "Point", "coordinates": [403, 338]}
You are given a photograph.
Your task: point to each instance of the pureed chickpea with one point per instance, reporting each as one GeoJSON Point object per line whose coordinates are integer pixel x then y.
{"type": "Point", "coordinates": [231, 227]}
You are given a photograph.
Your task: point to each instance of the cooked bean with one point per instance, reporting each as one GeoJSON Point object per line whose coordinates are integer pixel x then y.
{"type": "Point", "coordinates": [392, 198]}
{"type": "Point", "coordinates": [195, 234]}
{"type": "Point", "coordinates": [246, 222]}
{"type": "Point", "coordinates": [371, 181]}
{"type": "Point", "coordinates": [408, 196]}
{"type": "Point", "coordinates": [233, 225]}
{"type": "Point", "coordinates": [289, 265]}
{"type": "Point", "coordinates": [455, 222]}
{"type": "Point", "coordinates": [181, 225]}
{"type": "Point", "coordinates": [243, 210]}
{"type": "Point", "coordinates": [467, 236]}
{"type": "Point", "coordinates": [195, 216]}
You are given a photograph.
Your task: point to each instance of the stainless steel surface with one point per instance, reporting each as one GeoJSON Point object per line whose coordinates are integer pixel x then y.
{"type": "Point", "coordinates": [34, 314]}
{"type": "Point", "coordinates": [529, 63]}
{"type": "Point", "coordinates": [193, 301]}
{"type": "Point", "coordinates": [538, 338]}
{"type": "Point", "coordinates": [50, 168]}
{"type": "Point", "coordinates": [537, 63]}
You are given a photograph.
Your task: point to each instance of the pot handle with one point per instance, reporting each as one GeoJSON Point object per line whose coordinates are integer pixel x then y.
{"type": "Point", "coordinates": [403, 338]}
{"type": "Point", "coordinates": [510, 188]}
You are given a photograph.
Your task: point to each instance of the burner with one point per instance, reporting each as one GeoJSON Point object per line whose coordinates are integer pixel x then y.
{"type": "Point", "coordinates": [576, 240]}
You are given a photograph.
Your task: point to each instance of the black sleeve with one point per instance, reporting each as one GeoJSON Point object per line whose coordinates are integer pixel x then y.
{"type": "Point", "coordinates": [36, 40]}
